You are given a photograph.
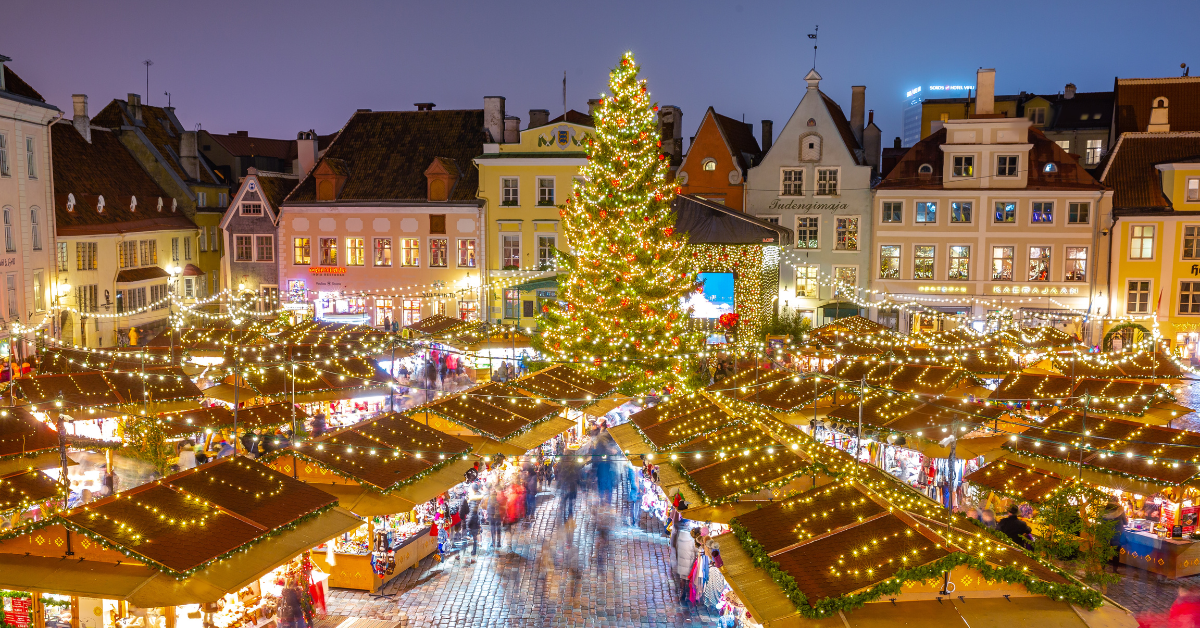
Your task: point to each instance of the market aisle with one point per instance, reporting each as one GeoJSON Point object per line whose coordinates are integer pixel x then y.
{"type": "Point", "coordinates": [633, 587]}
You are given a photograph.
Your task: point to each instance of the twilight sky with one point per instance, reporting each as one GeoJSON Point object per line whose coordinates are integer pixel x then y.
{"type": "Point", "coordinates": [274, 68]}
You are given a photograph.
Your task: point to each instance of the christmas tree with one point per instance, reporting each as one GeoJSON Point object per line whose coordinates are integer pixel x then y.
{"type": "Point", "coordinates": [621, 293]}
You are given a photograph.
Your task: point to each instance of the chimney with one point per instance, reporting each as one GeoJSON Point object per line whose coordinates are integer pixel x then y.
{"type": "Point", "coordinates": [512, 129]}
{"type": "Point", "coordinates": [493, 117]}
{"type": "Point", "coordinates": [670, 127]}
{"type": "Point", "coordinates": [82, 122]}
{"type": "Point", "coordinates": [306, 152]}
{"type": "Point", "coordinates": [188, 157]}
{"type": "Point", "coordinates": [593, 105]}
{"type": "Point", "coordinates": [1069, 92]}
{"type": "Point", "coordinates": [858, 106]}
{"type": "Point", "coordinates": [897, 143]}
{"type": "Point", "coordinates": [872, 142]}
{"type": "Point", "coordinates": [3, 60]}
{"type": "Point", "coordinates": [135, 106]}
{"type": "Point", "coordinates": [242, 134]}
{"type": "Point", "coordinates": [985, 91]}
{"type": "Point", "coordinates": [539, 117]}
{"type": "Point", "coordinates": [768, 135]}
{"type": "Point", "coordinates": [421, 106]}
{"type": "Point", "coordinates": [1159, 122]}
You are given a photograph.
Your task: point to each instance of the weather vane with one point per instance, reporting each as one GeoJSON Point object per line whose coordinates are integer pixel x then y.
{"type": "Point", "coordinates": [813, 36]}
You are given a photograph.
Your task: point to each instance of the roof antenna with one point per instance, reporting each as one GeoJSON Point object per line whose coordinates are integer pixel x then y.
{"type": "Point", "coordinates": [1185, 67]}
{"type": "Point", "coordinates": [147, 63]}
{"type": "Point", "coordinates": [168, 95]}
{"type": "Point", "coordinates": [564, 95]}
{"type": "Point", "coordinates": [813, 36]}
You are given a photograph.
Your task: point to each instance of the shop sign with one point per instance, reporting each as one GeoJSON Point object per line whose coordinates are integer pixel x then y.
{"type": "Point", "coordinates": [547, 294]}
{"type": "Point", "coordinates": [943, 289]}
{"type": "Point", "coordinates": [19, 616]}
{"type": "Point", "coordinates": [1195, 269]}
{"type": "Point", "coordinates": [8, 262]}
{"type": "Point", "coordinates": [327, 270]}
{"type": "Point", "coordinates": [1036, 290]}
{"type": "Point", "coordinates": [808, 207]}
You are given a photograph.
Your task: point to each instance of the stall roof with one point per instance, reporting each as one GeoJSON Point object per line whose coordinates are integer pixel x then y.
{"type": "Point", "coordinates": [709, 222]}
{"type": "Point", "coordinates": [497, 411]}
{"type": "Point", "coordinates": [907, 378]}
{"type": "Point", "coordinates": [62, 360]}
{"type": "Point", "coordinates": [1023, 482]}
{"type": "Point", "coordinates": [849, 326]}
{"type": "Point", "coordinates": [23, 489]}
{"type": "Point", "coordinates": [440, 325]}
{"type": "Point", "coordinates": [108, 388]}
{"type": "Point", "coordinates": [564, 385]}
{"type": "Point", "coordinates": [1030, 386]}
{"type": "Point", "coordinates": [337, 377]}
{"type": "Point", "coordinates": [323, 332]}
{"type": "Point", "coordinates": [208, 339]}
{"type": "Point", "coordinates": [22, 435]}
{"type": "Point", "coordinates": [218, 417]}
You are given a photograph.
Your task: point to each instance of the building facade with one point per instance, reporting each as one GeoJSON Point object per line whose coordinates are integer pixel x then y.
{"type": "Point", "coordinates": [120, 238]}
{"type": "Point", "coordinates": [719, 157]}
{"type": "Point", "coordinates": [27, 270]}
{"type": "Point", "coordinates": [251, 222]}
{"type": "Point", "coordinates": [984, 218]}
{"type": "Point", "coordinates": [387, 224]}
{"type": "Point", "coordinates": [816, 181]}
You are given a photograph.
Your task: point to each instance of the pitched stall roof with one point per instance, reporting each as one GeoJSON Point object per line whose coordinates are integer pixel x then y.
{"type": "Point", "coordinates": [1029, 386]}
{"type": "Point", "coordinates": [346, 376]}
{"type": "Point", "coordinates": [323, 332]}
{"type": "Point", "coordinates": [439, 324]}
{"type": "Point", "coordinates": [105, 168]}
{"type": "Point", "coordinates": [23, 489]}
{"type": "Point", "coordinates": [1135, 98]}
{"type": "Point", "coordinates": [22, 435]}
{"type": "Point", "coordinates": [708, 222]}
{"type": "Point", "coordinates": [563, 384]}
{"type": "Point", "coordinates": [1018, 480]}
{"type": "Point", "coordinates": [1131, 172]}
{"type": "Point", "coordinates": [217, 417]}
{"type": "Point", "coordinates": [494, 410]}
{"type": "Point", "coordinates": [384, 155]}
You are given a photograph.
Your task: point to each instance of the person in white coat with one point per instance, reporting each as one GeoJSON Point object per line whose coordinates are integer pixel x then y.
{"type": "Point", "coordinates": [685, 557]}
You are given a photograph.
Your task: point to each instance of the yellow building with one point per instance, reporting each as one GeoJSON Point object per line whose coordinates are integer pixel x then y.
{"type": "Point", "coordinates": [941, 110]}
{"type": "Point", "coordinates": [523, 181]}
{"type": "Point", "coordinates": [1155, 267]}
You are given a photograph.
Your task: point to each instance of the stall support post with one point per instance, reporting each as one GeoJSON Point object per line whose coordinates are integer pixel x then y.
{"type": "Point", "coordinates": [56, 414]}
{"type": "Point", "coordinates": [862, 398]}
{"type": "Point", "coordinates": [38, 610]}
{"type": "Point", "coordinates": [1083, 428]}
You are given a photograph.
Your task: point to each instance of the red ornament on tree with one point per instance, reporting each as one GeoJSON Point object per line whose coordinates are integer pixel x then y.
{"type": "Point", "coordinates": [669, 231]}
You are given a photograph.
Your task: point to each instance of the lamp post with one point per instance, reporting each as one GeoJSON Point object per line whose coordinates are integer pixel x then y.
{"type": "Point", "coordinates": [60, 291]}
{"type": "Point", "coordinates": [173, 271]}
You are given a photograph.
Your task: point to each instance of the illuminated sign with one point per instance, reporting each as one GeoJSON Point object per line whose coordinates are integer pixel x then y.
{"type": "Point", "coordinates": [327, 270]}
{"type": "Point", "coordinates": [950, 88]}
{"type": "Point", "coordinates": [911, 92]}
{"type": "Point", "coordinates": [1035, 290]}
{"type": "Point", "coordinates": [944, 289]}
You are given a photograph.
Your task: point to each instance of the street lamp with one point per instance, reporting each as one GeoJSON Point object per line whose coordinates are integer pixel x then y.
{"type": "Point", "coordinates": [62, 290]}
{"type": "Point", "coordinates": [173, 271]}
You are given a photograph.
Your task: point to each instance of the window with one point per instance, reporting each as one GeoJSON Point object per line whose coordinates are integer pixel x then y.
{"type": "Point", "coordinates": [1037, 115]}
{"type": "Point", "coordinates": [251, 209]}
{"type": "Point", "coordinates": [410, 311]}
{"type": "Point", "coordinates": [792, 182]}
{"type": "Point", "coordinates": [356, 252]}
{"type": "Point", "coordinates": [847, 234]}
{"type": "Point", "coordinates": [62, 256]}
{"type": "Point", "coordinates": [222, 199]}
{"type": "Point", "coordinates": [187, 248]}
{"type": "Point", "coordinates": [383, 309]}
{"type": "Point", "coordinates": [437, 223]}
{"type": "Point", "coordinates": [158, 297]}
{"type": "Point", "coordinates": [203, 239]}
{"type": "Point", "coordinates": [771, 219]}
{"type": "Point", "coordinates": [1006, 165]}
{"type": "Point", "coordinates": [1141, 242]}
{"type": "Point", "coordinates": [923, 262]}
{"type": "Point", "coordinates": [174, 249]}
{"type": "Point", "coordinates": [545, 191]}
{"type": "Point", "coordinates": [3, 155]}
{"type": "Point", "coordinates": [189, 288]}
{"type": "Point", "coordinates": [806, 232]}
{"type": "Point", "coordinates": [243, 250]}
{"type": "Point", "coordinates": [925, 169]}
{"type": "Point", "coordinates": [1077, 213]}
{"type": "Point", "coordinates": [846, 278]}
{"type": "Point", "coordinates": [410, 252]}
{"type": "Point", "coordinates": [1064, 144]}
{"type": "Point", "coordinates": [889, 261]}
{"type": "Point", "coordinates": [1006, 211]}
{"type": "Point", "coordinates": [213, 246]}
{"type": "Point", "coordinates": [512, 303]}
{"type": "Point", "coordinates": [39, 290]}
{"type": "Point", "coordinates": [1137, 299]}
{"type": "Point", "coordinates": [1191, 242]}
{"type": "Point", "coordinates": [301, 251]}
{"type": "Point", "coordinates": [927, 212]}
{"type": "Point", "coordinates": [1039, 263]}
{"type": "Point", "coordinates": [960, 211]}
{"type": "Point", "coordinates": [144, 247]}
{"type": "Point", "coordinates": [203, 201]}
{"type": "Point", "coordinates": [510, 251]}
{"type": "Point", "coordinates": [1094, 148]}
{"type": "Point", "coordinates": [1050, 167]}
{"type": "Point", "coordinates": [383, 252]}
{"type": "Point", "coordinates": [960, 263]}
{"type": "Point", "coordinates": [1193, 190]}
{"type": "Point", "coordinates": [35, 228]}
{"type": "Point", "coordinates": [509, 192]}
{"type": "Point", "coordinates": [329, 252]}
{"type": "Point", "coordinates": [945, 117]}
{"type": "Point", "coordinates": [827, 181]}
{"type": "Point", "coordinates": [85, 255]}
{"type": "Point", "coordinates": [1076, 263]}
{"type": "Point", "coordinates": [264, 249]}
{"type": "Point", "coordinates": [709, 164]}
{"type": "Point", "coordinates": [9, 244]}
{"type": "Point", "coordinates": [1002, 263]}
{"type": "Point", "coordinates": [1189, 297]}
{"type": "Point", "coordinates": [807, 284]}
{"type": "Point", "coordinates": [11, 297]}
{"type": "Point", "coordinates": [893, 211]}
{"type": "Point", "coordinates": [466, 252]}
{"type": "Point", "coordinates": [30, 158]}
{"type": "Point", "coordinates": [545, 252]}
{"type": "Point", "coordinates": [1043, 212]}
{"type": "Point", "coordinates": [128, 254]}
{"type": "Point", "coordinates": [85, 298]}
{"type": "Point", "coordinates": [964, 165]}
{"type": "Point", "coordinates": [439, 252]}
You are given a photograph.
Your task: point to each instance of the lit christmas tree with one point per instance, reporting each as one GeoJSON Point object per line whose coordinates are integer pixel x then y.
{"type": "Point", "coordinates": [624, 286]}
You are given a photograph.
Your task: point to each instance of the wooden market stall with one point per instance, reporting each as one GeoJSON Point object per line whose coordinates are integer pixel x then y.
{"type": "Point", "coordinates": [496, 418]}
{"type": "Point", "coordinates": [381, 470]}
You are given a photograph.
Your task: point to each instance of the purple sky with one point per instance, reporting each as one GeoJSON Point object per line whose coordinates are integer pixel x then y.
{"type": "Point", "coordinates": [274, 68]}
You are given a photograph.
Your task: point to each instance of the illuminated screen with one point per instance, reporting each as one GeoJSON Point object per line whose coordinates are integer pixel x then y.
{"type": "Point", "coordinates": [715, 296]}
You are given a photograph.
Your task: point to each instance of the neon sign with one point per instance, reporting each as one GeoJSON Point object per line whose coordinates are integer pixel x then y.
{"type": "Point", "coordinates": [911, 92]}
{"type": "Point", "coordinates": [1039, 290]}
{"type": "Point", "coordinates": [327, 270]}
{"type": "Point", "coordinates": [943, 289]}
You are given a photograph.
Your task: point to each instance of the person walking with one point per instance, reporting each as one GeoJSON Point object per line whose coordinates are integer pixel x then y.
{"type": "Point", "coordinates": [685, 557]}
{"type": "Point", "coordinates": [495, 515]}
{"type": "Point", "coordinates": [1015, 528]}
{"type": "Point", "coordinates": [475, 498]}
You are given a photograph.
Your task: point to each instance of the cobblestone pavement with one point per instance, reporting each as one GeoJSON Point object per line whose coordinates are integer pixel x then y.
{"type": "Point", "coordinates": [1156, 601]}
{"type": "Point", "coordinates": [627, 584]}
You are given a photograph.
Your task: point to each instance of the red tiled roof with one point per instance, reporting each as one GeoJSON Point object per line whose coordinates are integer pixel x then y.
{"type": "Point", "coordinates": [1131, 172]}
{"type": "Point", "coordinates": [843, 127]}
{"type": "Point", "coordinates": [258, 146]}
{"type": "Point", "coordinates": [740, 136]}
{"type": "Point", "coordinates": [1135, 98]}
{"type": "Point", "coordinates": [131, 275]}
{"type": "Point", "coordinates": [160, 130]}
{"type": "Point", "coordinates": [14, 84]}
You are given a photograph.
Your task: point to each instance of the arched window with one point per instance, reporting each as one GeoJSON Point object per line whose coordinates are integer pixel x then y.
{"type": "Point", "coordinates": [35, 228]}
{"type": "Point", "coordinates": [709, 164]}
{"type": "Point", "coordinates": [925, 169]}
{"type": "Point", "coordinates": [9, 245]}
{"type": "Point", "coordinates": [1050, 167]}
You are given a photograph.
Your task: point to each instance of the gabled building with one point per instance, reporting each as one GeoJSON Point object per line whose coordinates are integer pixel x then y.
{"type": "Point", "coordinates": [991, 215]}
{"type": "Point", "coordinates": [816, 180]}
{"type": "Point", "coordinates": [170, 153]}
{"type": "Point", "coordinates": [251, 221]}
{"type": "Point", "coordinates": [388, 223]}
{"type": "Point", "coordinates": [721, 153]}
{"type": "Point", "coordinates": [26, 201]}
{"type": "Point", "coordinates": [118, 233]}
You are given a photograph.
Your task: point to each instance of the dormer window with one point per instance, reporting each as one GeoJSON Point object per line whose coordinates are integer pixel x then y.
{"type": "Point", "coordinates": [160, 204]}
{"type": "Point", "coordinates": [174, 205]}
{"type": "Point", "coordinates": [70, 202]}
{"type": "Point", "coordinates": [133, 203]}
{"type": "Point", "coordinates": [1050, 167]}
{"type": "Point", "coordinates": [925, 171]}
{"type": "Point", "coordinates": [100, 204]}
{"type": "Point", "coordinates": [709, 164]}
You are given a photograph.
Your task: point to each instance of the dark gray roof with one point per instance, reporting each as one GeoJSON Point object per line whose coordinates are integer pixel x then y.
{"type": "Point", "coordinates": [708, 222]}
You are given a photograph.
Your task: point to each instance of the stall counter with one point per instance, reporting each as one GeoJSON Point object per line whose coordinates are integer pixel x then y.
{"type": "Point", "coordinates": [1173, 558]}
{"type": "Point", "coordinates": [353, 571]}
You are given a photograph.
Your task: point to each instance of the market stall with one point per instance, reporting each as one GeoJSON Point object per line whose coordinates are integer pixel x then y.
{"type": "Point", "coordinates": [496, 418]}
{"type": "Point", "coordinates": [384, 470]}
